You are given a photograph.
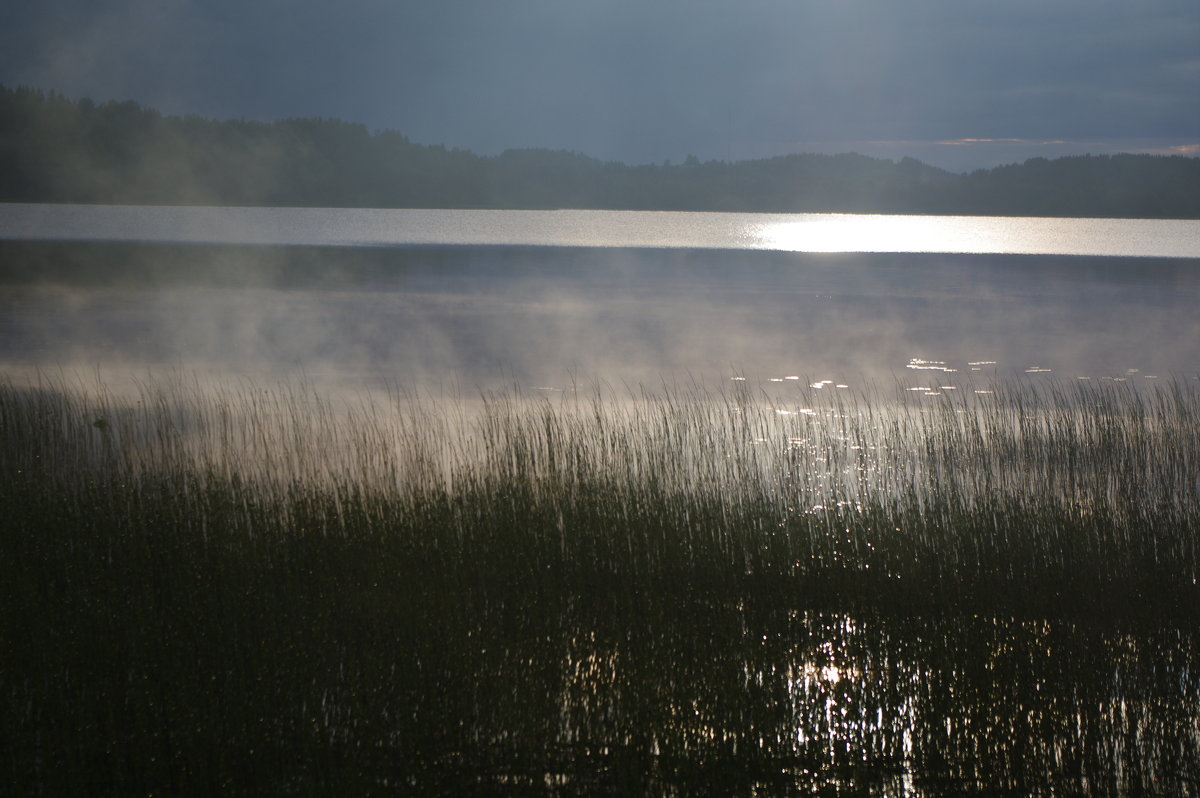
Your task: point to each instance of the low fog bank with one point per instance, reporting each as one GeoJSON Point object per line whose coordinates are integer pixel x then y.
{"type": "Point", "coordinates": [475, 318]}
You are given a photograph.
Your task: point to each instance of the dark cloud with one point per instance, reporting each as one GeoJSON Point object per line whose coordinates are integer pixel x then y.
{"type": "Point", "coordinates": [638, 81]}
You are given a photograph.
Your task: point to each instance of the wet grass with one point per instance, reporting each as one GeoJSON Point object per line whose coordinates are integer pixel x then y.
{"type": "Point", "coordinates": [215, 589]}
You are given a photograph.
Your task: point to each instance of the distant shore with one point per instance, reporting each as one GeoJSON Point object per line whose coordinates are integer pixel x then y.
{"type": "Point", "coordinates": [54, 149]}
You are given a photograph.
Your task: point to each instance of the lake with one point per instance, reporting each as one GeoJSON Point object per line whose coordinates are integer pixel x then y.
{"type": "Point", "coordinates": [587, 502]}
{"type": "Point", "coordinates": [803, 232]}
{"type": "Point", "coordinates": [479, 298]}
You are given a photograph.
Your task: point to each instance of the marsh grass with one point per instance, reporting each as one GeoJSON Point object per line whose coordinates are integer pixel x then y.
{"type": "Point", "coordinates": [238, 589]}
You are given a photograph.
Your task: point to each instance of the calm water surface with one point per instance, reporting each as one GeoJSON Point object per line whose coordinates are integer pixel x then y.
{"type": "Point", "coordinates": [807, 232]}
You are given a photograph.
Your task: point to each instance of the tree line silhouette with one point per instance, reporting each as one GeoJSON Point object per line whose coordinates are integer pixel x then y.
{"type": "Point", "coordinates": [54, 149]}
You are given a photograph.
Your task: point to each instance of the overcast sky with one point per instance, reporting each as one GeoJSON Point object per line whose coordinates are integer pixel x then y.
{"type": "Point", "coordinates": [957, 83]}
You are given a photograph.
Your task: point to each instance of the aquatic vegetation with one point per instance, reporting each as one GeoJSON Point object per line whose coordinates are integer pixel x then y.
{"type": "Point", "coordinates": [1067, 487]}
{"type": "Point", "coordinates": [239, 588]}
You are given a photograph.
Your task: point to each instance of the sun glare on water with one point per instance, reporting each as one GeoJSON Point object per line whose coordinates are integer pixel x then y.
{"type": "Point", "coordinates": [849, 232]}
{"type": "Point", "coordinates": [844, 232]}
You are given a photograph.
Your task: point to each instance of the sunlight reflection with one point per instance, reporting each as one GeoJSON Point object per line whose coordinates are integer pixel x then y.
{"type": "Point", "coordinates": [929, 365]}
{"type": "Point", "coordinates": [842, 232]}
{"type": "Point", "coordinates": [847, 232]}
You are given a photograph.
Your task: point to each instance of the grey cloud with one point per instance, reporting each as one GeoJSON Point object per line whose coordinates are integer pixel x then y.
{"type": "Point", "coordinates": [636, 81]}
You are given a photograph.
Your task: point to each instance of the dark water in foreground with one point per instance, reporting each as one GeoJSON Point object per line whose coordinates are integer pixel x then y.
{"type": "Point", "coordinates": [748, 700]}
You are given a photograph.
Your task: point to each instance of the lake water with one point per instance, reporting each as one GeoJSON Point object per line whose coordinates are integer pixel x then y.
{"type": "Point", "coordinates": [805, 232]}
{"type": "Point", "coordinates": [600, 689]}
{"type": "Point", "coordinates": [476, 298]}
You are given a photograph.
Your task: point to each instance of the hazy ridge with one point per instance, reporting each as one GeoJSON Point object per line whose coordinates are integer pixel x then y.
{"type": "Point", "coordinates": [54, 149]}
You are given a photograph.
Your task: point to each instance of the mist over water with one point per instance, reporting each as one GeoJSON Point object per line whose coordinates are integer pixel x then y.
{"type": "Point", "coordinates": [479, 317]}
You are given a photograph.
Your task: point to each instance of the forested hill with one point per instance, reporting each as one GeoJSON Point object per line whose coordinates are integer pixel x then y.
{"type": "Point", "coordinates": [53, 149]}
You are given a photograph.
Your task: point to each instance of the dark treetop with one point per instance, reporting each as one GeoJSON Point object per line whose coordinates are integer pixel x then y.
{"type": "Point", "coordinates": [53, 149]}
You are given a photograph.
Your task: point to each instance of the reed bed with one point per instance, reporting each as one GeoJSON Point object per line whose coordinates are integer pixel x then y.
{"type": "Point", "coordinates": [1074, 489]}
{"type": "Point", "coordinates": [337, 569]}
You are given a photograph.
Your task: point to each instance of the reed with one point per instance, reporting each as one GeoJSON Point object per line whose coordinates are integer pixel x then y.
{"type": "Point", "coordinates": [1027, 493]}
{"type": "Point", "coordinates": [306, 558]}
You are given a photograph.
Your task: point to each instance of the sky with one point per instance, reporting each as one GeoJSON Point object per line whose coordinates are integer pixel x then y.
{"type": "Point", "coordinates": [960, 84]}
